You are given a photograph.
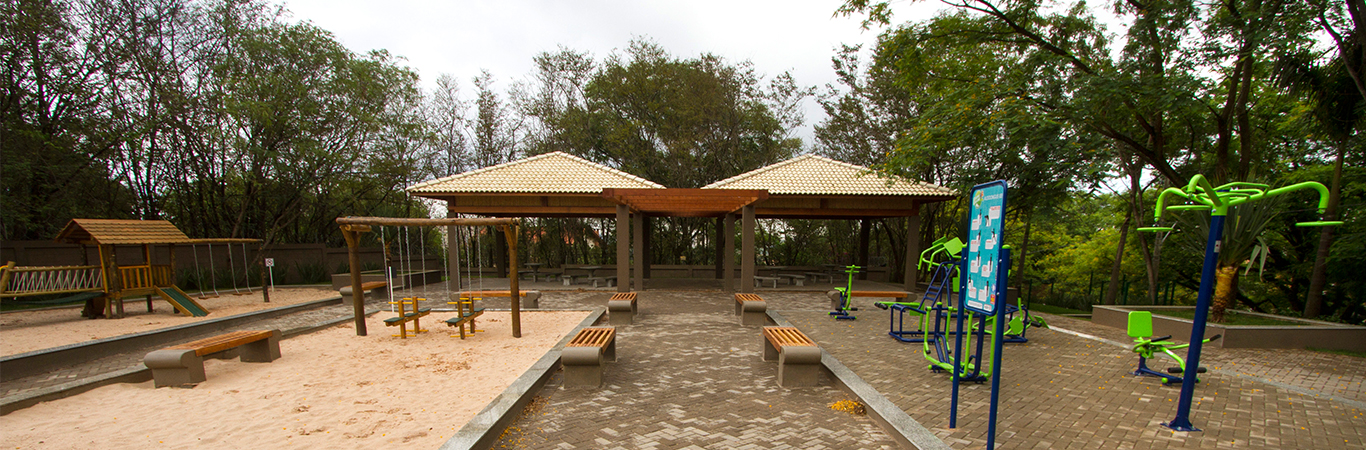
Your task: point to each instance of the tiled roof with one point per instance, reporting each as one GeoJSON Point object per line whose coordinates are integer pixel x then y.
{"type": "Point", "coordinates": [816, 175]}
{"type": "Point", "coordinates": [555, 172]}
{"type": "Point", "coordinates": [122, 232]}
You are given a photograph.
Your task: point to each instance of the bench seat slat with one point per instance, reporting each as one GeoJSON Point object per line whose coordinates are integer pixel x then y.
{"type": "Point", "coordinates": [787, 336]}
{"type": "Point", "coordinates": [748, 298]}
{"type": "Point", "coordinates": [592, 337]}
{"type": "Point", "coordinates": [372, 285]}
{"type": "Point", "coordinates": [223, 342]}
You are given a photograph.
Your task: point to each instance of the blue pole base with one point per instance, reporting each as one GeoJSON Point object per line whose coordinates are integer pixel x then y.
{"type": "Point", "coordinates": [1181, 424]}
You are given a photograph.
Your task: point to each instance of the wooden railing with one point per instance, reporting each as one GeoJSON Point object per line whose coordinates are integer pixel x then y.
{"type": "Point", "coordinates": [143, 277]}
{"type": "Point", "coordinates": [40, 280]}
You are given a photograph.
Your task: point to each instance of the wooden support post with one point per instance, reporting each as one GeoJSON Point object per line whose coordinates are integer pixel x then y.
{"type": "Point", "coordinates": [623, 249]}
{"type": "Point", "coordinates": [352, 235]}
{"type": "Point", "coordinates": [638, 255]}
{"type": "Point", "coordinates": [864, 228]}
{"type": "Point", "coordinates": [728, 279]}
{"type": "Point", "coordinates": [720, 246]}
{"type": "Point", "coordinates": [747, 250]}
{"type": "Point", "coordinates": [645, 254]}
{"type": "Point", "coordinates": [453, 258]}
{"type": "Point", "coordinates": [151, 272]}
{"type": "Point", "coordinates": [511, 232]}
{"type": "Point", "coordinates": [265, 286]}
{"type": "Point", "coordinates": [501, 252]}
{"type": "Point", "coordinates": [912, 252]}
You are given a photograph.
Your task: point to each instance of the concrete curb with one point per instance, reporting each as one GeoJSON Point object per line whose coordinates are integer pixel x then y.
{"type": "Point", "coordinates": [484, 429]}
{"type": "Point", "coordinates": [133, 374]}
{"type": "Point", "coordinates": [42, 361]}
{"type": "Point", "coordinates": [899, 425]}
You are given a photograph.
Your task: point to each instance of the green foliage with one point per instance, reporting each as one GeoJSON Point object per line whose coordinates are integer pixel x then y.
{"type": "Point", "coordinates": [311, 272]}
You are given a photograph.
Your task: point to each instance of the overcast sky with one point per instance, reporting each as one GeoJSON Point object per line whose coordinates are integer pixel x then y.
{"type": "Point", "coordinates": [462, 37]}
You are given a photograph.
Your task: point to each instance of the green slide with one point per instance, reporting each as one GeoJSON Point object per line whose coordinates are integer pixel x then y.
{"type": "Point", "coordinates": [182, 301]}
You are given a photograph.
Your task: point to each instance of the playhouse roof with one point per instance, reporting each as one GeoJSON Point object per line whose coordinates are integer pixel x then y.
{"type": "Point", "coordinates": [121, 232]}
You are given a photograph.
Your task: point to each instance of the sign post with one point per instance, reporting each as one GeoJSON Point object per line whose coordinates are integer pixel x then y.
{"type": "Point", "coordinates": [270, 266]}
{"type": "Point", "coordinates": [983, 289]}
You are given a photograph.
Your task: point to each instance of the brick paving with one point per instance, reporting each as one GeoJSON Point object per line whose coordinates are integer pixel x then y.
{"type": "Point", "coordinates": [1064, 391]}
{"type": "Point", "coordinates": [689, 376]}
{"type": "Point", "coordinates": [1316, 372]}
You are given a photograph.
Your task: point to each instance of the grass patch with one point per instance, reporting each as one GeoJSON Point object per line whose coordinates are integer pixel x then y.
{"type": "Point", "coordinates": [1050, 309]}
{"type": "Point", "coordinates": [1233, 318]}
{"type": "Point", "coordinates": [1337, 352]}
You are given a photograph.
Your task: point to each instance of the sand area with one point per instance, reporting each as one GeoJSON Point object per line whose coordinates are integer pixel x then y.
{"type": "Point", "coordinates": [330, 389]}
{"type": "Point", "coordinates": [26, 331]}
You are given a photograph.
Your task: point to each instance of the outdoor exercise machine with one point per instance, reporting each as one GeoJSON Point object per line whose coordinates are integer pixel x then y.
{"type": "Point", "coordinates": [352, 227]}
{"type": "Point", "coordinates": [1200, 195]}
{"type": "Point", "coordinates": [1141, 329]}
{"type": "Point", "coordinates": [944, 259]}
{"type": "Point", "coordinates": [846, 297]}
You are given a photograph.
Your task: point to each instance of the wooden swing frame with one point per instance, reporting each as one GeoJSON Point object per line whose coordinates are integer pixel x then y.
{"type": "Point", "coordinates": [352, 227]}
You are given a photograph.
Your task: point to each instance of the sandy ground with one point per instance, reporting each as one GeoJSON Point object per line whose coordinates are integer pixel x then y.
{"type": "Point", "coordinates": [26, 331]}
{"type": "Point", "coordinates": [330, 389]}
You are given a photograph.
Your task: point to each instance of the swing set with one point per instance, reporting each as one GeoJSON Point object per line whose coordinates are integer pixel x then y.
{"type": "Point", "coordinates": [408, 308]}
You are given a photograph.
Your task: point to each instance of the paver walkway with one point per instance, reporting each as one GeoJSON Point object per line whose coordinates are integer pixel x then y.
{"type": "Point", "coordinates": [1064, 391]}
{"type": "Point", "coordinates": [689, 376]}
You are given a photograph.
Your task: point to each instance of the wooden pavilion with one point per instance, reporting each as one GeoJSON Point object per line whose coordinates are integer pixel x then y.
{"type": "Point", "coordinates": [806, 187]}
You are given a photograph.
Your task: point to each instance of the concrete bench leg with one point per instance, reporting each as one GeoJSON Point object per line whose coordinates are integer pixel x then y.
{"type": "Point", "coordinates": [531, 299]}
{"type": "Point", "coordinates": [770, 353]}
{"type": "Point", "coordinates": [620, 312]}
{"type": "Point", "coordinates": [265, 350]}
{"type": "Point", "coordinates": [754, 314]}
{"type": "Point", "coordinates": [582, 367]}
{"type": "Point", "coordinates": [175, 367]}
{"type": "Point", "coordinates": [799, 366]}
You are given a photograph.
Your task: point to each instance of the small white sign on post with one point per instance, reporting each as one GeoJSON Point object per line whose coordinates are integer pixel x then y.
{"type": "Point", "coordinates": [270, 264]}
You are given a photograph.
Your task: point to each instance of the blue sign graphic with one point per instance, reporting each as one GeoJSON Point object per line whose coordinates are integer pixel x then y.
{"type": "Point", "coordinates": [986, 235]}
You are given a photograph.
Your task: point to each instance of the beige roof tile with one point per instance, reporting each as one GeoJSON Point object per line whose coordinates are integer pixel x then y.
{"type": "Point", "coordinates": [555, 172]}
{"type": "Point", "coordinates": [817, 175]}
{"type": "Point", "coordinates": [122, 232]}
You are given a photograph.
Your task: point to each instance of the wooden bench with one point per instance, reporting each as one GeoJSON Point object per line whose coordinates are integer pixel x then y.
{"type": "Point", "coordinates": [466, 313]}
{"type": "Point", "coordinates": [585, 354]}
{"type": "Point", "coordinates": [752, 309]}
{"type": "Point", "coordinates": [799, 359]}
{"type": "Point", "coordinates": [793, 279]}
{"type": "Point", "coordinates": [406, 315]}
{"type": "Point", "coordinates": [183, 364]}
{"type": "Point", "coordinates": [835, 295]}
{"type": "Point", "coordinates": [759, 281]}
{"type": "Point", "coordinates": [622, 308]}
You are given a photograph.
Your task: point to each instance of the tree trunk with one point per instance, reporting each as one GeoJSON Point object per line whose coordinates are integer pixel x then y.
{"type": "Point", "coordinates": [1313, 303]}
{"type": "Point", "coordinates": [1225, 292]}
{"type": "Point", "coordinates": [1112, 291]}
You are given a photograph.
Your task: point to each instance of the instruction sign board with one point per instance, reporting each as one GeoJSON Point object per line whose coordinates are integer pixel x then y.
{"type": "Point", "coordinates": [270, 262]}
{"type": "Point", "coordinates": [986, 235]}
